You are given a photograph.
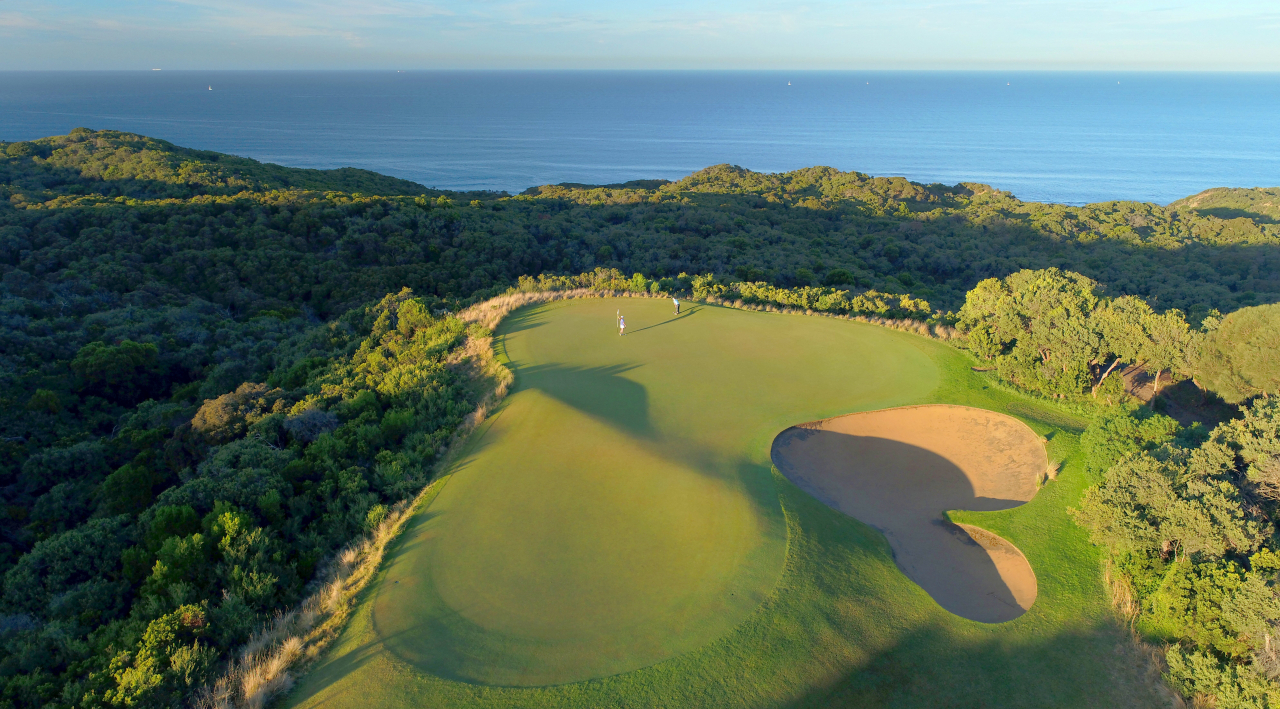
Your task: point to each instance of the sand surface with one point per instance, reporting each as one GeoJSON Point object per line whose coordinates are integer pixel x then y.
{"type": "Point", "coordinates": [899, 469]}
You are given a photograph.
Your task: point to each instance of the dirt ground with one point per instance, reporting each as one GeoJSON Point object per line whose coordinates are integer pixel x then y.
{"type": "Point", "coordinates": [899, 469]}
{"type": "Point", "coordinates": [1181, 400]}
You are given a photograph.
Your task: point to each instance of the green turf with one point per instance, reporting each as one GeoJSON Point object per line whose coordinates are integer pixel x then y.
{"type": "Point", "coordinates": [617, 533]}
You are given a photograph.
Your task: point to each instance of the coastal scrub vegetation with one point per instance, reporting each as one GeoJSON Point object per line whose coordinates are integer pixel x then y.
{"type": "Point", "coordinates": [215, 373]}
{"type": "Point", "coordinates": [119, 213]}
{"type": "Point", "coordinates": [1188, 524]}
{"type": "Point", "coordinates": [164, 544]}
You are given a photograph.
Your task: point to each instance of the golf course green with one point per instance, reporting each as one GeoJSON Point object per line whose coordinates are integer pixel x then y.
{"type": "Point", "coordinates": [616, 535]}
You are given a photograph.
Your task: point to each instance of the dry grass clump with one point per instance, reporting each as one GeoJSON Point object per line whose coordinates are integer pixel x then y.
{"type": "Point", "coordinates": [1050, 471]}
{"type": "Point", "coordinates": [1123, 598]}
{"type": "Point", "coordinates": [1145, 655]}
{"type": "Point", "coordinates": [263, 667]}
{"type": "Point", "coordinates": [937, 332]}
{"type": "Point", "coordinates": [491, 312]}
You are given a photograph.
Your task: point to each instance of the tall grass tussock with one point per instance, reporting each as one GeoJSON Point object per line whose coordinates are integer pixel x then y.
{"type": "Point", "coordinates": [264, 667]}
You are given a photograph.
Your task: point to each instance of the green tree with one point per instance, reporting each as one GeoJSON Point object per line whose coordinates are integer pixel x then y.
{"type": "Point", "coordinates": [1256, 435]}
{"type": "Point", "coordinates": [1180, 502]}
{"type": "Point", "coordinates": [169, 663]}
{"type": "Point", "coordinates": [71, 572]}
{"type": "Point", "coordinates": [127, 490]}
{"type": "Point", "coordinates": [1171, 340]}
{"type": "Point", "coordinates": [1038, 325]}
{"type": "Point", "coordinates": [1123, 325]}
{"type": "Point", "coordinates": [120, 372]}
{"type": "Point", "coordinates": [1240, 358]}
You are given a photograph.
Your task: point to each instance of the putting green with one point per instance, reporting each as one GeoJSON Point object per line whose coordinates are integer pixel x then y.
{"type": "Point", "coordinates": [620, 510]}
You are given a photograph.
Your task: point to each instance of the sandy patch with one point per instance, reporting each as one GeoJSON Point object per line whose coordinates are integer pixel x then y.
{"type": "Point", "coordinates": [899, 469]}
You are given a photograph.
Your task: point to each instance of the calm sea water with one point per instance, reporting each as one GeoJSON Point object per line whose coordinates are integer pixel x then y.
{"type": "Point", "coordinates": [1058, 137]}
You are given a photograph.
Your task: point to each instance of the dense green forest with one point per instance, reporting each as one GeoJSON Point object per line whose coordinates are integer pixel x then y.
{"type": "Point", "coordinates": [215, 372]}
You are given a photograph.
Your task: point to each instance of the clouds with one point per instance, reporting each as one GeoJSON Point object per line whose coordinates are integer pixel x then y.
{"type": "Point", "coordinates": [661, 34]}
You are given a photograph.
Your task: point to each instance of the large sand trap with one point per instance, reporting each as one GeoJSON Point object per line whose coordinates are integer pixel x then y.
{"type": "Point", "coordinates": [899, 469]}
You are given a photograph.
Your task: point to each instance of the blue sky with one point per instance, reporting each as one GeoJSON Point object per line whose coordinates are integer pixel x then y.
{"type": "Point", "coordinates": [660, 34]}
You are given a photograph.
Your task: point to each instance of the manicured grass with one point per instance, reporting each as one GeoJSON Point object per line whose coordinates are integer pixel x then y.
{"type": "Point", "coordinates": [617, 533]}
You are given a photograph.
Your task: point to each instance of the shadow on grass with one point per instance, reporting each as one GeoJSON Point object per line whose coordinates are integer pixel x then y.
{"type": "Point", "coordinates": [1095, 665]}
{"type": "Point", "coordinates": [883, 648]}
{"type": "Point", "coordinates": [337, 666]}
{"type": "Point", "coordinates": [1045, 415]}
{"type": "Point", "coordinates": [331, 670]}
{"type": "Point", "coordinates": [670, 320]}
{"type": "Point", "coordinates": [600, 392]}
{"type": "Point", "coordinates": [605, 394]}
{"type": "Point", "coordinates": [904, 492]}
{"type": "Point", "coordinates": [526, 318]}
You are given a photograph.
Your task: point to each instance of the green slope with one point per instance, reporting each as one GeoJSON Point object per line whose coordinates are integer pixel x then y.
{"type": "Point", "coordinates": [115, 163]}
{"type": "Point", "coordinates": [617, 534]}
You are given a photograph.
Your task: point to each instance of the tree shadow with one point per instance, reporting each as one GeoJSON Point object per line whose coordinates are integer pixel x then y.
{"type": "Point", "coordinates": [604, 394]}
{"type": "Point", "coordinates": [670, 320]}
{"type": "Point", "coordinates": [903, 491]}
{"type": "Point", "coordinates": [523, 319]}
{"type": "Point", "coordinates": [922, 666]}
{"type": "Point", "coordinates": [599, 392]}
{"type": "Point", "coordinates": [1235, 213]}
{"type": "Point", "coordinates": [444, 641]}
{"type": "Point", "coordinates": [334, 667]}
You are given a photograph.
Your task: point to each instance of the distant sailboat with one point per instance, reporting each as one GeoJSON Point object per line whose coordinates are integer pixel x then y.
{"type": "Point", "coordinates": [788, 83]}
{"type": "Point", "coordinates": [211, 88]}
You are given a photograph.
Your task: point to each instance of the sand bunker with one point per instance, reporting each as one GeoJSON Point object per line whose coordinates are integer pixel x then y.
{"type": "Point", "coordinates": [899, 469]}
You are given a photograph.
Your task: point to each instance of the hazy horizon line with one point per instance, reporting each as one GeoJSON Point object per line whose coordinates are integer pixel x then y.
{"type": "Point", "coordinates": [519, 70]}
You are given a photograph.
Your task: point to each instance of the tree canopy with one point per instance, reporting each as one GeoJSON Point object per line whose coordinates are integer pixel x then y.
{"type": "Point", "coordinates": [1189, 532]}
{"type": "Point", "coordinates": [215, 372]}
{"type": "Point", "coordinates": [1053, 332]}
{"type": "Point", "coordinates": [1240, 357]}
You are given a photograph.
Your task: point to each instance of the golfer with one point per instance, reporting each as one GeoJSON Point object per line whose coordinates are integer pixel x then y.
{"type": "Point", "coordinates": [677, 302]}
{"type": "Point", "coordinates": [622, 325]}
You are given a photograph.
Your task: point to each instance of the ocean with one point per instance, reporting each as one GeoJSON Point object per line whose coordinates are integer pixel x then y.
{"type": "Point", "coordinates": [1072, 138]}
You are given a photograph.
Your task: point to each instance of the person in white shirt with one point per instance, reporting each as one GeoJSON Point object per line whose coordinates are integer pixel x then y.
{"type": "Point", "coordinates": [677, 302]}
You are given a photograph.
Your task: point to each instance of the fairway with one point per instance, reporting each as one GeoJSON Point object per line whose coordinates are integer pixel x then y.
{"type": "Point", "coordinates": [616, 535]}
{"type": "Point", "coordinates": [621, 510]}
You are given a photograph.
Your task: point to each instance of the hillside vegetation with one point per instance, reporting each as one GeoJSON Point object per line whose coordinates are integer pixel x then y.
{"type": "Point", "coordinates": [121, 213]}
{"type": "Point", "coordinates": [91, 165]}
{"type": "Point", "coordinates": [1260, 205]}
{"type": "Point", "coordinates": [212, 375]}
